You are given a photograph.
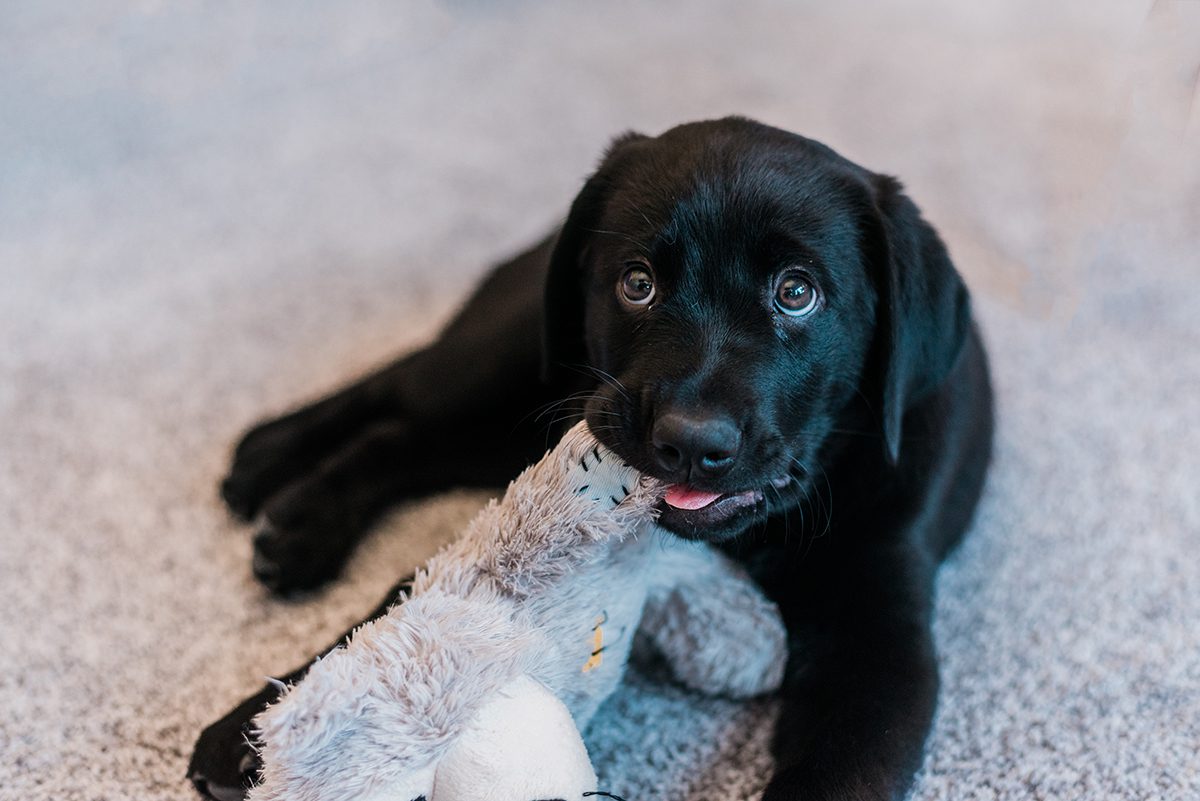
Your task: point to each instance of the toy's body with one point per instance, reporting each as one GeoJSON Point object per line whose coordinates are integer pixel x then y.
{"type": "Point", "coordinates": [474, 689]}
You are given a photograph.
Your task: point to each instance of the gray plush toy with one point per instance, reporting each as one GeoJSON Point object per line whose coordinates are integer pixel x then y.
{"type": "Point", "coordinates": [476, 687]}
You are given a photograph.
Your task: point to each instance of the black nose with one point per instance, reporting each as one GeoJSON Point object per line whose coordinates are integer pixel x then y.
{"type": "Point", "coordinates": [705, 445]}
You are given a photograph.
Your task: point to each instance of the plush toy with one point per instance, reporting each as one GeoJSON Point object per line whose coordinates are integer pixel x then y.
{"type": "Point", "coordinates": [476, 686]}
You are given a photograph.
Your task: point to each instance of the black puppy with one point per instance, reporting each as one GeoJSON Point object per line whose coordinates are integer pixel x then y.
{"type": "Point", "coordinates": [737, 310]}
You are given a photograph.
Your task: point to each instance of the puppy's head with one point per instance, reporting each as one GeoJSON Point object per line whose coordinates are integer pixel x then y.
{"type": "Point", "coordinates": [736, 289]}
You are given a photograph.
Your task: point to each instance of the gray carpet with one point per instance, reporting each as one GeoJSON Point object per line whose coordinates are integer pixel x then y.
{"type": "Point", "coordinates": [209, 212]}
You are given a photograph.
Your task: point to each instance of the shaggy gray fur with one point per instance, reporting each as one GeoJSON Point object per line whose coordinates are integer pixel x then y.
{"type": "Point", "coordinates": [565, 561]}
{"type": "Point", "coordinates": [209, 212]}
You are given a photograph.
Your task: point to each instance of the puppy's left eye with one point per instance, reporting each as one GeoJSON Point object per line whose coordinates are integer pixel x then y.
{"type": "Point", "coordinates": [637, 284]}
{"type": "Point", "coordinates": [795, 294]}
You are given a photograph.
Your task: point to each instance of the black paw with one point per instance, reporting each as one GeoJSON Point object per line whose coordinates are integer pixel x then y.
{"type": "Point", "coordinates": [269, 457]}
{"type": "Point", "coordinates": [304, 544]}
{"type": "Point", "coordinates": [241, 496]}
{"type": "Point", "coordinates": [223, 765]}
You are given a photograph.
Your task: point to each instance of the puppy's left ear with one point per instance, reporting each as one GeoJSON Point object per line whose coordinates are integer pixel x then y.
{"type": "Point", "coordinates": [924, 312]}
{"type": "Point", "coordinates": [563, 338]}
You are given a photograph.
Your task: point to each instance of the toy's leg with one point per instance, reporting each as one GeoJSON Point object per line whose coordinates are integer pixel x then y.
{"type": "Point", "coordinates": [307, 469]}
{"type": "Point", "coordinates": [223, 765]}
{"type": "Point", "coordinates": [521, 745]}
{"type": "Point", "coordinates": [714, 626]}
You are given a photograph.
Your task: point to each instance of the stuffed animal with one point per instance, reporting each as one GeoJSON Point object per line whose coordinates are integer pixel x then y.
{"type": "Point", "coordinates": [475, 688]}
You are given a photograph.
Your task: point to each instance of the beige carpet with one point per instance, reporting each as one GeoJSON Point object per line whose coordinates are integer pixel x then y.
{"type": "Point", "coordinates": [210, 211]}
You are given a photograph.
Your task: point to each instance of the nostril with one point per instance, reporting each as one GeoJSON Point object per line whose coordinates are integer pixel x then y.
{"type": "Point", "coordinates": [668, 456]}
{"type": "Point", "coordinates": [717, 460]}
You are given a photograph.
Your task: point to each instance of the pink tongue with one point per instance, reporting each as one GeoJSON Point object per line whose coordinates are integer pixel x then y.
{"type": "Point", "coordinates": [682, 496]}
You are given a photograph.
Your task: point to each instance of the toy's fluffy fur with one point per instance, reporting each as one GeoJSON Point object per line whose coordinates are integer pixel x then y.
{"type": "Point", "coordinates": [570, 547]}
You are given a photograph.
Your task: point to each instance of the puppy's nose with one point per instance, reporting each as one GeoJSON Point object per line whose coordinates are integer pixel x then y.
{"type": "Point", "coordinates": [707, 446]}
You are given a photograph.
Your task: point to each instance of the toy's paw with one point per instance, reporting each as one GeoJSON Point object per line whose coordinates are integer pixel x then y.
{"type": "Point", "coordinates": [721, 643]}
{"type": "Point", "coordinates": [605, 479]}
{"type": "Point", "coordinates": [593, 471]}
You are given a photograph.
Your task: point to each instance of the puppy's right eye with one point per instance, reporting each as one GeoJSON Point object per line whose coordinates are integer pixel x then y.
{"type": "Point", "coordinates": [795, 294]}
{"type": "Point", "coordinates": [636, 286]}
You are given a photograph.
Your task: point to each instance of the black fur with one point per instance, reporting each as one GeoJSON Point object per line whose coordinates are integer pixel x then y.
{"type": "Point", "coordinates": [858, 436]}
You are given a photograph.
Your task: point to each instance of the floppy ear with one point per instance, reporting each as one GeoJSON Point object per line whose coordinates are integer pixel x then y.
{"type": "Point", "coordinates": [563, 343]}
{"type": "Point", "coordinates": [924, 313]}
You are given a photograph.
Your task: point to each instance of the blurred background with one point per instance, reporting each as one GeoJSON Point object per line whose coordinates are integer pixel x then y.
{"type": "Point", "coordinates": [212, 211]}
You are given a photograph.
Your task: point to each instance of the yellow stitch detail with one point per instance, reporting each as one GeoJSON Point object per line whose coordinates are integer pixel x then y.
{"type": "Point", "coordinates": [597, 644]}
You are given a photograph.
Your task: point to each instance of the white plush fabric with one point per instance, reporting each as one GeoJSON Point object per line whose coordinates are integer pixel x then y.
{"type": "Point", "coordinates": [523, 744]}
{"type": "Point", "coordinates": [209, 212]}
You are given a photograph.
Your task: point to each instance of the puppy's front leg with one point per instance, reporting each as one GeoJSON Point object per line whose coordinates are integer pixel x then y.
{"type": "Point", "coordinates": [857, 713]}
{"type": "Point", "coordinates": [461, 411]}
{"type": "Point", "coordinates": [312, 527]}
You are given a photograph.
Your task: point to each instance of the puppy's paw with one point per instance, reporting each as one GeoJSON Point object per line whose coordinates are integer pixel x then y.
{"type": "Point", "coordinates": [270, 456]}
{"type": "Point", "coordinates": [223, 764]}
{"type": "Point", "coordinates": [304, 543]}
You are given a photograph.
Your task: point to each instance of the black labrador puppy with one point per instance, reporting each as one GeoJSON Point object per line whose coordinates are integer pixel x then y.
{"type": "Point", "coordinates": [739, 311]}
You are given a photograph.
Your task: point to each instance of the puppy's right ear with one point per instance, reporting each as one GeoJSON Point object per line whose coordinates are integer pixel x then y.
{"type": "Point", "coordinates": [564, 346]}
{"type": "Point", "coordinates": [924, 310]}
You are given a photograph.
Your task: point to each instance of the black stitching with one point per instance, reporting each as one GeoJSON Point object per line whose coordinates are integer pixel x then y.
{"type": "Point", "coordinates": [614, 500]}
{"type": "Point", "coordinates": [583, 463]}
{"type": "Point", "coordinates": [596, 451]}
{"type": "Point", "coordinates": [624, 489]}
{"type": "Point", "coordinates": [582, 489]}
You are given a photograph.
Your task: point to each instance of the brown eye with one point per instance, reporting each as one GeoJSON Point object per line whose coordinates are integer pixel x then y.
{"type": "Point", "coordinates": [637, 285]}
{"type": "Point", "coordinates": [795, 294]}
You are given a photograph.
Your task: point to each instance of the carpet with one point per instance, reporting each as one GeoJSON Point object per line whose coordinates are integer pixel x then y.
{"type": "Point", "coordinates": [212, 212]}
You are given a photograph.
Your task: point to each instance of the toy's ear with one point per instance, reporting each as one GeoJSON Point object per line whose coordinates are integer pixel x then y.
{"type": "Point", "coordinates": [563, 343]}
{"type": "Point", "coordinates": [924, 313]}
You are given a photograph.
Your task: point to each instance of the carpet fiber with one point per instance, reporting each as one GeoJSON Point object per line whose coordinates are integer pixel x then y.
{"type": "Point", "coordinates": [210, 212]}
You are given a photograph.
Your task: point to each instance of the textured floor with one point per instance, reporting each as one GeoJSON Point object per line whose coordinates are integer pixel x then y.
{"type": "Point", "coordinates": [209, 212]}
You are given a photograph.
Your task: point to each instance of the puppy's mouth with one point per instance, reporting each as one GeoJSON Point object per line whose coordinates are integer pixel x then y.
{"type": "Point", "coordinates": [698, 514]}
